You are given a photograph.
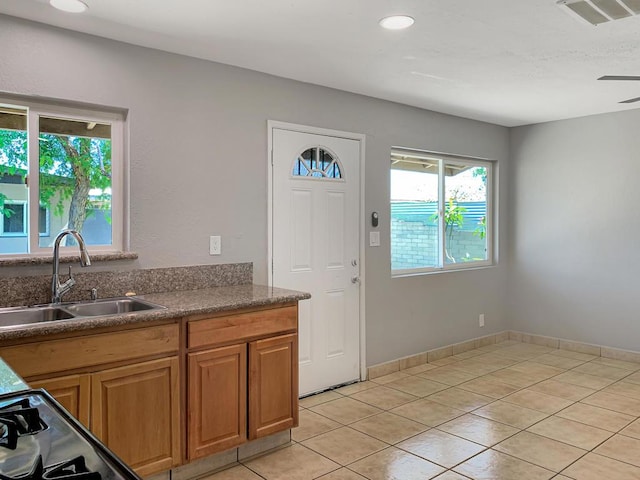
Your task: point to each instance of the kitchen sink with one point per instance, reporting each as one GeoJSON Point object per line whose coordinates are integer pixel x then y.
{"type": "Point", "coordinates": [111, 306]}
{"type": "Point", "coordinates": [12, 317]}
{"type": "Point", "coordinates": [26, 316]}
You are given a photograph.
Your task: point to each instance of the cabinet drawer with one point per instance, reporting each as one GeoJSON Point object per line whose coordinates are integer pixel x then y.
{"type": "Point", "coordinates": [51, 356]}
{"type": "Point", "coordinates": [240, 327]}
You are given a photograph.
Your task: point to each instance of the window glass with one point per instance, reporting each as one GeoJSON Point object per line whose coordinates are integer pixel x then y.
{"type": "Point", "coordinates": [414, 218]}
{"type": "Point", "coordinates": [75, 178]}
{"type": "Point", "coordinates": [316, 162]}
{"type": "Point", "coordinates": [465, 213]}
{"type": "Point", "coordinates": [43, 221]}
{"type": "Point", "coordinates": [14, 219]}
{"type": "Point", "coordinates": [13, 172]}
{"type": "Point", "coordinates": [440, 214]}
{"type": "Point", "coordinates": [59, 168]}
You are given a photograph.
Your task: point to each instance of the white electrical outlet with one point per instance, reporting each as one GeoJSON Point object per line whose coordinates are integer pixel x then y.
{"type": "Point", "coordinates": [215, 245]}
{"type": "Point", "coordinates": [481, 320]}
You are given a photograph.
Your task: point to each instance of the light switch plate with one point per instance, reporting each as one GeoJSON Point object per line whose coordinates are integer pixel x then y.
{"type": "Point", "coordinates": [215, 245]}
{"type": "Point", "coordinates": [374, 239]}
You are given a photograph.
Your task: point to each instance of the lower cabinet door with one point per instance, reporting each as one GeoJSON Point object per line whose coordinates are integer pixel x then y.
{"type": "Point", "coordinates": [135, 411]}
{"type": "Point", "coordinates": [273, 385]}
{"type": "Point", "coordinates": [72, 392]}
{"type": "Point", "coordinates": [217, 414]}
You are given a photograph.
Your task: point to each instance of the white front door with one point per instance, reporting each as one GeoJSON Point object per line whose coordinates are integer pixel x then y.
{"type": "Point", "coordinates": [315, 248]}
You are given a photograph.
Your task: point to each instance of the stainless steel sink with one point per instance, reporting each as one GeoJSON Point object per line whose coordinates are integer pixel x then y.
{"type": "Point", "coordinates": [111, 306]}
{"type": "Point", "coordinates": [26, 316]}
{"type": "Point", "coordinates": [12, 317]}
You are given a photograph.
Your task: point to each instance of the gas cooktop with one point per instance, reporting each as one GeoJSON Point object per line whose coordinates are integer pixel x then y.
{"type": "Point", "coordinates": [39, 440]}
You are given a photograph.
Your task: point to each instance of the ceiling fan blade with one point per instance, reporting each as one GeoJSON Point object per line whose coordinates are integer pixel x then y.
{"type": "Point", "coordinates": [631, 100]}
{"type": "Point", "coordinates": [620, 77]}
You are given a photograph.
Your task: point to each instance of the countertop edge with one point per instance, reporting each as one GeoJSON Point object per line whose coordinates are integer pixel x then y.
{"type": "Point", "coordinates": [9, 379]}
{"type": "Point", "coordinates": [178, 305]}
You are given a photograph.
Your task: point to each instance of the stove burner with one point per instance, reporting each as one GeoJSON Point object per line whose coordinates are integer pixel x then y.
{"type": "Point", "coordinates": [8, 434]}
{"type": "Point", "coordinates": [74, 469]}
{"type": "Point", "coordinates": [18, 419]}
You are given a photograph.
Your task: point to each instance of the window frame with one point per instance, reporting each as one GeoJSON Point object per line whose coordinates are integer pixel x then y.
{"type": "Point", "coordinates": [119, 200]}
{"type": "Point", "coordinates": [47, 231]}
{"type": "Point", "coordinates": [490, 221]}
{"type": "Point", "coordinates": [312, 177]}
{"type": "Point", "coordinates": [25, 215]}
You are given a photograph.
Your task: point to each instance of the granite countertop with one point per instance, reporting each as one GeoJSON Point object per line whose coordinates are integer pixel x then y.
{"type": "Point", "coordinates": [178, 304]}
{"type": "Point", "coordinates": [9, 380]}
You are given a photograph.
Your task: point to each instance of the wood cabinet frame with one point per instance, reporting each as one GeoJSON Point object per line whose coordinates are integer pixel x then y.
{"type": "Point", "coordinates": [217, 419]}
{"type": "Point", "coordinates": [73, 392]}
{"type": "Point", "coordinates": [76, 369]}
{"type": "Point", "coordinates": [273, 385]}
{"type": "Point", "coordinates": [269, 372]}
{"type": "Point", "coordinates": [139, 400]}
{"type": "Point", "coordinates": [93, 372]}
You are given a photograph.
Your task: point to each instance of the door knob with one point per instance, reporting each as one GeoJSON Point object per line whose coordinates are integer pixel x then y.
{"type": "Point", "coordinates": [355, 279]}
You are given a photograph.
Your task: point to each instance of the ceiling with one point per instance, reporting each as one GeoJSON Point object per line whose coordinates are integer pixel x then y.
{"type": "Point", "coordinates": [509, 62]}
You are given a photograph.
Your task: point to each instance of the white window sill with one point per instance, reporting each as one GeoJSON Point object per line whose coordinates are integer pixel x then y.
{"type": "Point", "coordinates": [45, 259]}
{"type": "Point", "coordinates": [419, 273]}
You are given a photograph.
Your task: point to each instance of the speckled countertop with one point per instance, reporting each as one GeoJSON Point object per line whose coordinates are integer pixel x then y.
{"type": "Point", "coordinates": [178, 304]}
{"type": "Point", "coordinates": [9, 380]}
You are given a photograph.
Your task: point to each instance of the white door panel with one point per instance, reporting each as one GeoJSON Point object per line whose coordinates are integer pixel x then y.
{"type": "Point", "coordinates": [315, 245]}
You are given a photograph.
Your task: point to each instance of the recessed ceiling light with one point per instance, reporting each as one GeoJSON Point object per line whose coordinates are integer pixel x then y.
{"type": "Point", "coordinates": [71, 6]}
{"type": "Point", "coordinates": [396, 22]}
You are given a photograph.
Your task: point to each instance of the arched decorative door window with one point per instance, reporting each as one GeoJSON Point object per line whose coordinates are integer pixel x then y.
{"type": "Point", "coordinates": [317, 162]}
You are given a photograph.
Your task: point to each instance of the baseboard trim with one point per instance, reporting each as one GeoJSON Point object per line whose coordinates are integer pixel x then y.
{"type": "Point", "coordinates": [440, 353]}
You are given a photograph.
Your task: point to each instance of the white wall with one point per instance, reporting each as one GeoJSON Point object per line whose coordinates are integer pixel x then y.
{"type": "Point", "coordinates": [198, 141]}
{"type": "Point", "coordinates": [576, 229]}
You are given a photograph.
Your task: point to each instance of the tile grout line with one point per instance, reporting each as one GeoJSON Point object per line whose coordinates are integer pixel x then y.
{"type": "Point", "coordinates": [494, 400]}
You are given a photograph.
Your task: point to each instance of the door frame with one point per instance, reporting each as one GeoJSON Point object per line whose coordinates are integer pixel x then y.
{"type": "Point", "coordinates": [271, 126]}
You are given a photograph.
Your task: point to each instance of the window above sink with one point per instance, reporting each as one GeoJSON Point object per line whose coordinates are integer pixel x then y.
{"type": "Point", "coordinates": [60, 168]}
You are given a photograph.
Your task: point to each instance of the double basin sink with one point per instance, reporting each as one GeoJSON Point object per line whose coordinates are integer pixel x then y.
{"type": "Point", "coordinates": [19, 316]}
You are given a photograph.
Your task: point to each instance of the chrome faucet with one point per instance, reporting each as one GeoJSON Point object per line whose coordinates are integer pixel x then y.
{"type": "Point", "coordinates": [59, 289]}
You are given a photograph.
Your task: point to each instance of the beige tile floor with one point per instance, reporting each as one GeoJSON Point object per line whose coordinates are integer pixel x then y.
{"type": "Point", "coordinates": [512, 411]}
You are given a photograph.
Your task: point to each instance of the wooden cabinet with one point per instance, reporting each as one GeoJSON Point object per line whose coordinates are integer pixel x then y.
{"type": "Point", "coordinates": [217, 414]}
{"type": "Point", "coordinates": [128, 385]}
{"type": "Point", "coordinates": [244, 385]}
{"type": "Point", "coordinates": [73, 393]}
{"type": "Point", "coordinates": [123, 385]}
{"type": "Point", "coordinates": [44, 357]}
{"type": "Point", "coordinates": [135, 412]}
{"type": "Point", "coordinates": [273, 385]}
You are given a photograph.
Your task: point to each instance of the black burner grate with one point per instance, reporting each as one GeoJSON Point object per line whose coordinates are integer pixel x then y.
{"type": "Point", "coordinates": [74, 469]}
{"type": "Point", "coordinates": [17, 419]}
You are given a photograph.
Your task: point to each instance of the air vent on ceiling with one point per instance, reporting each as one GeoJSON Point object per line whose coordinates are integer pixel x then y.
{"type": "Point", "coordinates": [596, 12]}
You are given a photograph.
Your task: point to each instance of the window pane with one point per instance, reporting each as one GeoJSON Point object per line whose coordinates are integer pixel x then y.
{"type": "Point", "coordinates": [75, 179]}
{"type": "Point", "coordinates": [14, 219]}
{"type": "Point", "coordinates": [43, 221]}
{"type": "Point", "coordinates": [465, 217]}
{"type": "Point", "coordinates": [414, 216]}
{"type": "Point", "coordinates": [13, 170]}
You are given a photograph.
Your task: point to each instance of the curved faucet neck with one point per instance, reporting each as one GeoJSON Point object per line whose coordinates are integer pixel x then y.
{"type": "Point", "coordinates": [58, 289]}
